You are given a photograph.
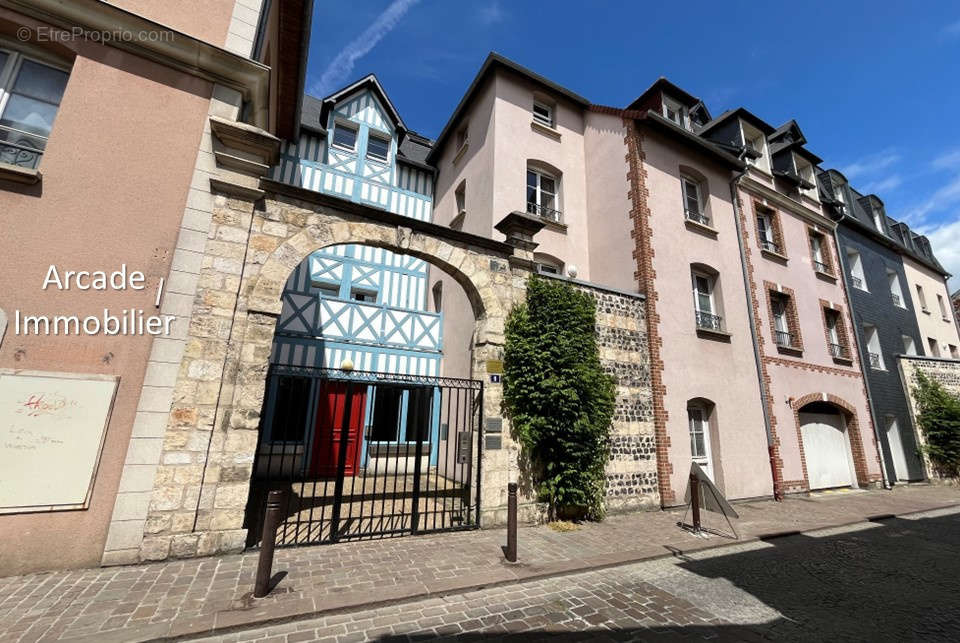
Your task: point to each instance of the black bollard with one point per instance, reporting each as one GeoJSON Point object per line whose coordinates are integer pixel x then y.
{"type": "Point", "coordinates": [268, 541]}
{"type": "Point", "coordinates": [511, 551]}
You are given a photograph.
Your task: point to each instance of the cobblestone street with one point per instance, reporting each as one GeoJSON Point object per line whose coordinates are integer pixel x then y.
{"type": "Point", "coordinates": [834, 584]}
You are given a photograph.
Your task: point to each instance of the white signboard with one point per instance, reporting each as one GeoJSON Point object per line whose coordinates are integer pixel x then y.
{"type": "Point", "coordinates": [52, 427]}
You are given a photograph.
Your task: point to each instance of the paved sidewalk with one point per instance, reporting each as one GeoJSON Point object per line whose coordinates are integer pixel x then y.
{"type": "Point", "coordinates": [198, 596]}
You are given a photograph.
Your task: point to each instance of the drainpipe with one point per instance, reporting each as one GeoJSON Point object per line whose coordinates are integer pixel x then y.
{"type": "Point", "coordinates": [862, 353]}
{"type": "Point", "coordinates": [734, 185]}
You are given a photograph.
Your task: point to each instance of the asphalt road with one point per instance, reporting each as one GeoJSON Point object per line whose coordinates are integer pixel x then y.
{"type": "Point", "coordinates": [892, 580]}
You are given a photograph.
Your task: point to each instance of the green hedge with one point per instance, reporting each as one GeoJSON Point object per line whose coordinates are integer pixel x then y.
{"type": "Point", "coordinates": [938, 415]}
{"type": "Point", "coordinates": [559, 400]}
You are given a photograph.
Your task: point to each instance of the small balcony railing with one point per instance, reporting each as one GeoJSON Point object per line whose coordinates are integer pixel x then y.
{"type": "Point", "coordinates": [839, 350]}
{"type": "Point", "coordinates": [875, 360]}
{"type": "Point", "coordinates": [857, 282]}
{"type": "Point", "coordinates": [770, 246]}
{"type": "Point", "coordinates": [708, 321]}
{"type": "Point", "coordinates": [819, 266]}
{"type": "Point", "coordinates": [20, 148]}
{"type": "Point", "coordinates": [896, 299]}
{"type": "Point", "coordinates": [783, 338]}
{"type": "Point", "coordinates": [696, 217]}
{"type": "Point", "coordinates": [547, 213]}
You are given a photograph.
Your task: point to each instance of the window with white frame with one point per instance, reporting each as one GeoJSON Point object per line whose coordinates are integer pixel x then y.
{"type": "Point", "coordinates": [693, 205]}
{"type": "Point", "coordinates": [756, 146]}
{"type": "Point", "coordinates": [378, 147]}
{"type": "Point", "coordinates": [675, 112]}
{"type": "Point", "coordinates": [835, 337]}
{"type": "Point", "coordinates": [781, 323]}
{"type": "Point", "coordinates": [943, 308]}
{"type": "Point", "coordinates": [765, 230]}
{"type": "Point", "coordinates": [909, 346]}
{"type": "Point", "coordinates": [543, 113]}
{"type": "Point", "coordinates": [30, 94]}
{"type": "Point", "coordinates": [895, 293]}
{"type": "Point", "coordinates": [345, 136]}
{"type": "Point", "coordinates": [548, 265]}
{"type": "Point", "coordinates": [817, 253]}
{"type": "Point", "coordinates": [806, 174]}
{"type": "Point", "coordinates": [542, 194]}
{"type": "Point", "coordinates": [857, 277]}
{"type": "Point", "coordinates": [878, 220]}
{"type": "Point", "coordinates": [873, 347]}
{"type": "Point", "coordinates": [922, 299]}
{"type": "Point", "coordinates": [706, 313]}
{"type": "Point", "coordinates": [838, 193]}
{"type": "Point", "coordinates": [699, 432]}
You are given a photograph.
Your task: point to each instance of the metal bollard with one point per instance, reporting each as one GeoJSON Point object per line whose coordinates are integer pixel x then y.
{"type": "Point", "coordinates": [511, 551]}
{"type": "Point", "coordinates": [695, 501]}
{"type": "Point", "coordinates": [268, 541]}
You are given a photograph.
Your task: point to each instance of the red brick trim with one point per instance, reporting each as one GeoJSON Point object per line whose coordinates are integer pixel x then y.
{"type": "Point", "coordinates": [817, 368]}
{"type": "Point", "coordinates": [853, 432]}
{"type": "Point", "coordinates": [645, 275]}
{"type": "Point", "coordinates": [790, 306]}
{"type": "Point", "coordinates": [776, 462]}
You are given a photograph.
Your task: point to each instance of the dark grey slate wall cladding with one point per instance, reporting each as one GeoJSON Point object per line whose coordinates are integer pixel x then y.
{"type": "Point", "coordinates": [892, 322]}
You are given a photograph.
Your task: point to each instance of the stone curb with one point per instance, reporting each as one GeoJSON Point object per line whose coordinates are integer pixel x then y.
{"type": "Point", "coordinates": [226, 621]}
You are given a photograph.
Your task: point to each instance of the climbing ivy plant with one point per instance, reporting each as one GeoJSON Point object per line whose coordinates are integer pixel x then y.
{"type": "Point", "coordinates": [938, 415]}
{"type": "Point", "coordinates": [559, 400]}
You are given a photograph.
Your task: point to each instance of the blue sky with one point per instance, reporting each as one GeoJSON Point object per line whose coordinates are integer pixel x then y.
{"type": "Point", "coordinates": [874, 85]}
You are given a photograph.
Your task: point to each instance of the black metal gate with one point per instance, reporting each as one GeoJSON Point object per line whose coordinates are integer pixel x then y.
{"type": "Point", "coordinates": [366, 455]}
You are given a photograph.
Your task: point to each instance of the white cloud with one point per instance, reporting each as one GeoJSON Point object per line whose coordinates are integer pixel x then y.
{"type": "Point", "coordinates": [340, 68]}
{"type": "Point", "coordinates": [945, 240]}
{"type": "Point", "coordinates": [880, 186]}
{"type": "Point", "coordinates": [870, 164]}
{"type": "Point", "coordinates": [491, 13]}
{"type": "Point", "coordinates": [948, 161]}
{"type": "Point", "coordinates": [943, 198]}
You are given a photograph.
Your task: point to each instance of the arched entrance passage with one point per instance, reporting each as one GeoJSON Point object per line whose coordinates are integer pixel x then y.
{"type": "Point", "coordinates": [829, 440]}
{"type": "Point", "coordinates": [363, 427]}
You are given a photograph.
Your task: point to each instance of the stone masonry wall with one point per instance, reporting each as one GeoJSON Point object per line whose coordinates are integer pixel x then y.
{"type": "Point", "coordinates": [946, 372]}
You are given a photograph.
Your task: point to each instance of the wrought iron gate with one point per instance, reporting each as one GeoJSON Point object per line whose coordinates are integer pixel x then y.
{"type": "Point", "coordinates": [366, 455]}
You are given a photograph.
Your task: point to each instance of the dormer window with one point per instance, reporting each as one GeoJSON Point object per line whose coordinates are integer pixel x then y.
{"type": "Point", "coordinates": [543, 113]}
{"type": "Point", "coordinates": [877, 220]}
{"type": "Point", "coordinates": [674, 111]}
{"type": "Point", "coordinates": [838, 194]}
{"type": "Point", "coordinates": [345, 136]}
{"type": "Point", "coordinates": [755, 144]}
{"type": "Point", "coordinates": [378, 147]}
{"type": "Point", "coordinates": [808, 184]}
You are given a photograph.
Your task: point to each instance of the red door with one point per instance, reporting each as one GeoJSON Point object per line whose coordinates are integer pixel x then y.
{"type": "Point", "coordinates": [329, 429]}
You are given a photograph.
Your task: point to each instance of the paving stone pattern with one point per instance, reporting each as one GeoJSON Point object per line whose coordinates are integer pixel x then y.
{"type": "Point", "coordinates": [153, 600]}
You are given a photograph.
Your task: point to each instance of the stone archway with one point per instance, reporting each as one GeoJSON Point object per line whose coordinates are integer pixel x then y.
{"type": "Point", "coordinates": [257, 240]}
{"type": "Point", "coordinates": [849, 414]}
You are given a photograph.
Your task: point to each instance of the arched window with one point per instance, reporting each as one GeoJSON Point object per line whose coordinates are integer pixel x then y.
{"type": "Point", "coordinates": [548, 264]}
{"type": "Point", "coordinates": [543, 191]}
{"type": "Point", "coordinates": [707, 299]}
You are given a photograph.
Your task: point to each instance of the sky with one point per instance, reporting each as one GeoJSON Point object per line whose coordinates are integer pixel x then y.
{"type": "Point", "coordinates": [873, 85]}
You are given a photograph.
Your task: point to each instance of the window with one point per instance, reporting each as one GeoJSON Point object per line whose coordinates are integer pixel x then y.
{"type": "Point", "coordinates": [438, 296]}
{"type": "Point", "coordinates": [857, 278]}
{"type": "Point", "coordinates": [401, 413]}
{"type": "Point", "coordinates": [755, 147]}
{"type": "Point", "coordinates": [922, 299]}
{"type": "Point", "coordinates": [818, 253]}
{"type": "Point", "coordinates": [675, 112]}
{"type": "Point", "coordinates": [784, 324]}
{"type": "Point", "coordinates": [877, 220]}
{"type": "Point", "coordinates": [692, 200]}
{"type": "Point", "coordinates": [30, 94]}
{"type": "Point", "coordinates": [461, 197]}
{"type": "Point", "coordinates": [765, 230]}
{"type": "Point", "coordinates": [547, 264]}
{"type": "Point", "coordinates": [361, 294]}
{"type": "Point", "coordinates": [543, 113]}
{"type": "Point", "coordinates": [808, 187]}
{"type": "Point", "coordinates": [462, 137]}
{"type": "Point", "coordinates": [873, 347]}
{"type": "Point", "coordinates": [289, 398]}
{"type": "Point", "coordinates": [953, 352]}
{"type": "Point", "coordinates": [933, 347]}
{"type": "Point", "coordinates": [698, 432]}
{"type": "Point", "coordinates": [838, 194]}
{"type": "Point", "coordinates": [781, 324]}
{"type": "Point", "coordinates": [943, 308]}
{"type": "Point", "coordinates": [895, 293]}
{"type": "Point", "coordinates": [909, 346]}
{"type": "Point", "coordinates": [706, 313]}
{"type": "Point", "coordinates": [345, 136]}
{"type": "Point", "coordinates": [836, 337]}
{"type": "Point", "coordinates": [326, 289]}
{"type": "Point", "coordinates": [378, 147]}
{"type": "Point", "coordinates": [542, 195]}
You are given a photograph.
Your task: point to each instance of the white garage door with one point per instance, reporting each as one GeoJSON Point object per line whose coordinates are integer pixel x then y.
{"type": "Point", "coordinates": [826, 451]}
